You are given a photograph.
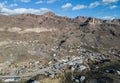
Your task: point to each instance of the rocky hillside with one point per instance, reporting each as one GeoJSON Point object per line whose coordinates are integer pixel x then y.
{"type": "Point", "coordinates": [48, 31]}
{"type": "Point", "coordinates": [49, 38]}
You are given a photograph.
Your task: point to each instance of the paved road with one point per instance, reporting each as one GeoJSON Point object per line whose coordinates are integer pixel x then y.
{"type": "Point", "coordinates": [41, 71]}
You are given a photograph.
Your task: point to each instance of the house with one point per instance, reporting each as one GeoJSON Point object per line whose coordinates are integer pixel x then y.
{"type": "Point", "coordinates": [82, 78]}
{"type": "Point", "coordinates": [11, 79]}
{"type": "Point", "coordinates": [82, 67]}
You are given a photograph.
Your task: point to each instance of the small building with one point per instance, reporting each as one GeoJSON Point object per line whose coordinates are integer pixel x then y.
{"type": "Point", "coordinates": [11, 79]}
{"type": "Point", "coordinates": [82, 78]}
{"type": "Point", "coordinates": [82, 67]}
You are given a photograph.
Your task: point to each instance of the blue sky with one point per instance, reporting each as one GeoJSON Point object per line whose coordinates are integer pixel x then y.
{"type": "Point", "coordinates": [105, 9]}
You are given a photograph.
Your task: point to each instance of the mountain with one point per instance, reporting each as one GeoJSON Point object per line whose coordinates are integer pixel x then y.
{"type": "Point", "coordinates": [50, 38]}
{"type": "Point", "coordinates": [92, 31]}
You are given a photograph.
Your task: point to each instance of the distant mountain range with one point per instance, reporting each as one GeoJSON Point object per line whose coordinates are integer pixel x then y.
{"type": "Point", "coordinates": [50, 20]}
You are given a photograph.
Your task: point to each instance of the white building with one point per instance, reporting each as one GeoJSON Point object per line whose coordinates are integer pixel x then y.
{"type": "Point", "coordinates": [9, 80]}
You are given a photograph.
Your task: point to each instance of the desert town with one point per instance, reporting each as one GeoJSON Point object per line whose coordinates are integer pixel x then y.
{"type": "Point", "coordinates": [11, 72]}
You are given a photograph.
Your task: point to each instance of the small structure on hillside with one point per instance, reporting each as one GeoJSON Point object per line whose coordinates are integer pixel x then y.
{"type": "Point", "coordinates": [15, 79]}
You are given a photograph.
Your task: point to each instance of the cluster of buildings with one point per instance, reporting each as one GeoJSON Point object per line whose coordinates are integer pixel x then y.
{"type": "Point", "coordinates": [71, 62]}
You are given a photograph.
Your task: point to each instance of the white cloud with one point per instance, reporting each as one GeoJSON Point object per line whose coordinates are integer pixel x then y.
{"type": "Point", "coordinates": [51, 1]}
{"type": "Point", "coordinates": [78, 7]}
{"type": "Point", "coordinates": [94, 4]}
{"type": "Point", "coordinates": [16, 11]}
{"type": "Point", "coordinates": [3, 4]}
{"type": "Point", "coordinates": [109, 1]}
{"type": "Point", "coordinates": [4, 9]}
{"type": "Point", "coordinates": [13, 5]}
{"type": "Point", "coordinates": [113, 7]}
{"type": "Point", "coordinates": [66, 6]}
{"type": "Point", "coordinates": [45, 1]}
{"type": "Point", "coordinates": [39, 2]}
{"type": "Point", "coordinates": [108, 17]}
{"type": "Point", "coordinates": [25, 1]}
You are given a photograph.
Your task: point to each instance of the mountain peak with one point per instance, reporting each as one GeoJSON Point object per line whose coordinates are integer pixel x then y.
{"type": "Point", "coordinates": [49, 13]}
